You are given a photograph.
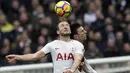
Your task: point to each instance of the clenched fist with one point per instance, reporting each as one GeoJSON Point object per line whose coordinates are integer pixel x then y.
{"type": "Point", "coordinates": [12, 58]}
{"type": "Point", "coordinates": [68, 71]}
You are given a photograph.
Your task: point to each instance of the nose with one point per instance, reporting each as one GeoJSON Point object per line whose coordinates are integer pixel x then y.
{"type": "Point", "coordinates": [66, 27]}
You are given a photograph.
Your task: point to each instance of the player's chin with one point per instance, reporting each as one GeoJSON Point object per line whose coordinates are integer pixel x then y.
{"type": "Point", "coordinates": [67, 33]}
{"type": "Point", "coordinates": [84, 38]}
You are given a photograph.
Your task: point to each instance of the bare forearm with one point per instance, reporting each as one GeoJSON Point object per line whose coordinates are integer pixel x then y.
{"type": "Point", "coordinates": [27, 57]}
{"type": "Point", "coordinates": [75, 65]}
{"type": "Point", "coordinates": [77, 62]}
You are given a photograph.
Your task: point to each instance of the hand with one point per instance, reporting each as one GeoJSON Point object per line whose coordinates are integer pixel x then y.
{"type": "Point", "coordinates": [11, 58]}
{"type": "Point", "coordinates": [68, 71]}
{"type": "Point", "coordinates": [81, 66]}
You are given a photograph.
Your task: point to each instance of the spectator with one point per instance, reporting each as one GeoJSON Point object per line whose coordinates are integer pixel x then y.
{"type": "Point", "coordinates": [110, 32]}
{"type": "Point", "coordinates": [44, 31]}
{"type": "Point", "coordinates": [126, 49]}
{"type": "Point", "coordinates": [127, 19]}
{"type": "Point", "coordinates": [13, 13]}
{"type": "Point", "coordinates": [99, 23]}
{"type": "Point", "coordinates": [111, 11]}
{"type": "Point", "coordinates": [127, 34]}
{"type": "Point", "coordinates": [98, 4]}
{"type": "Point", "coordinates": [37, 15]}
{"type": "Point", "coordinates": [24, 19]}
{"type": "Point", "coordinates": [18, 29]}
{"type": "Point", "coordinates": [24, 40]}
{"type": "Point", "coordinates": [6, 28]}
{"type": "Point", "coordinates": [35, 3]}
{"type": "Point", "coordinates": [99, 42]}
{"type": "Point", "coordinates": [111, 50]}
{"type": "Point", "coordinates": [92, 51]}
{"type": "Point", "coordinates": [5, 51]}
{"type": "Point", "coordinates": [90, 35]}
{"type": "Point", "coordinates": [90, 16]}
{"type": "Point", "coordinates": [108, 20]}
{"type": "Point", "coordinates": [119, 41]}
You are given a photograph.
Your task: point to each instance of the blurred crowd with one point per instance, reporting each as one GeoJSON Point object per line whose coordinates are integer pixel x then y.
{"type": "Point", "coordinates": [27, 25]}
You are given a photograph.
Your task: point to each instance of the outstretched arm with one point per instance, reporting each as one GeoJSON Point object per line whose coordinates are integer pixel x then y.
{"type": "Point", "coordinates": [27, 57]}
{"type": "Point", "coordinates": [30, 57]}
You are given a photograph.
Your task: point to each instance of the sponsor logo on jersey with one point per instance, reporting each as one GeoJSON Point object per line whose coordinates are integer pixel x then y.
{"type": "Point", "coordinates": [64, 56]}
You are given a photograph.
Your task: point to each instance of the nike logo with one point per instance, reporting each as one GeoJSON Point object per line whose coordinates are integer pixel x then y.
{"type": "Point", "coordinates": [57, 48]}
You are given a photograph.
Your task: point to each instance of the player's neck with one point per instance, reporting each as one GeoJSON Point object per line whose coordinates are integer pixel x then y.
{"type": "Point", "coordinates": [65, 38]}
{"type": "Point", "coordinates": [80, 41]}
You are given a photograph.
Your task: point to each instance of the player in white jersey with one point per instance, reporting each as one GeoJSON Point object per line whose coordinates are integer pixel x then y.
{"type": "Point", "coordinates": [66, 53]}
{"type": "Point", "coordinates": [79, 33]}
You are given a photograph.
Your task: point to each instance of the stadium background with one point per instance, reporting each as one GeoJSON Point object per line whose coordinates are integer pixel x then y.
{"type": "Point", "coordinates": [27, 25]}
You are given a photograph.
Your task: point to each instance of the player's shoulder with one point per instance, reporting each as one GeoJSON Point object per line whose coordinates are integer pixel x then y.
{"type": "Point", "coordinates": [77, 42]}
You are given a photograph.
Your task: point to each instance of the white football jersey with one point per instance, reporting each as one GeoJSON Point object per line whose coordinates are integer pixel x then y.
{"type": "Point", "coordinates": [63, 53]}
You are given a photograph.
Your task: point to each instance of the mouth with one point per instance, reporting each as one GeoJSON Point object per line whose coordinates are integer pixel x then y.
{"type": "Point", "coordinates": [84, 34]}
{"type": "Point", "coordinates": [66, 30]}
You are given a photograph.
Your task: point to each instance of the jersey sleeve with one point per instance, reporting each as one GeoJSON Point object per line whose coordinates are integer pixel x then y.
{"type": "Point", "coordinates": [79, 48]}
{"type": "Point", "coordinates": [46, 48]}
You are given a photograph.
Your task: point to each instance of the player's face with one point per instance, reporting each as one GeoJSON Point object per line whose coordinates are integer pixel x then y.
{"type": "Point", "coordinates": [81, 33]}
{"type": "Point", "coordinates": [64, 28]}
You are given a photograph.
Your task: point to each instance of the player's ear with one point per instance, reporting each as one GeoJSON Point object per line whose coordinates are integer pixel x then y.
{"type": "Point", "coordinates": [76, 36]}
{"type": "Point", "coordinates": [58, 32]}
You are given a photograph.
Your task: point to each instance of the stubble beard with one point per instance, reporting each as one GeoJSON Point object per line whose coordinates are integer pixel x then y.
{"type": "Point", "coordinates": [65, 35]}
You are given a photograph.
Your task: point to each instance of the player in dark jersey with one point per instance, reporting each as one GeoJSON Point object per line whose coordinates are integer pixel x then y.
{"type": "Point", "coordinates": [79, 33]}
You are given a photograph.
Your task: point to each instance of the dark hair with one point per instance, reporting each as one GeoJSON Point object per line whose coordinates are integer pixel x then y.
{"type": "Point", "coordinates": [74, 28]}
{"type": "Point", "coordinates": [61, 19]}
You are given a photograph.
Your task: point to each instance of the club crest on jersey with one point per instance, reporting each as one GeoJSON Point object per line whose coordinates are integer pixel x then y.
{"type": "Point", "coordinates": [73, 49]}
{"type": "Point", "coordinates": [64, 56]}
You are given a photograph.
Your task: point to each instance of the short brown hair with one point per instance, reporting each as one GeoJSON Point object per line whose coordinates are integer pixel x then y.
{"type": "Point", "coordinates": [62, 19]}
